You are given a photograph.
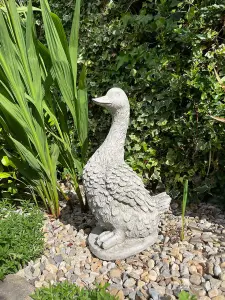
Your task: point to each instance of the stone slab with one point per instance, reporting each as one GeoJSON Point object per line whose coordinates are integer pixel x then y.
{"type": "Point", "coordinates": [15, 287]}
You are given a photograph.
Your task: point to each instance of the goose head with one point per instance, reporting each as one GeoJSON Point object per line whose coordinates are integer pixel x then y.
{"type": "Point", "coordinates": [114, 100]}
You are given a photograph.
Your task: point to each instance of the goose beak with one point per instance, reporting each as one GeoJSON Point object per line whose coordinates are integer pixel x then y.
{"type": "Point", "coordinates": [102, 100]}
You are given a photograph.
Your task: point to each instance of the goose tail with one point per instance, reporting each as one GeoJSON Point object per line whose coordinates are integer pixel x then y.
{"type": "Point", "coordinates": [162, 202]}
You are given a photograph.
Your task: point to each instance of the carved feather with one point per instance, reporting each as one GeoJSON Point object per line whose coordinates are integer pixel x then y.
{"type": "Point", "coordinates": [130, 192]}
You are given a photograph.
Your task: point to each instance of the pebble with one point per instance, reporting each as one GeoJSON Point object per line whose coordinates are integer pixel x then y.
{"type": "Point", "coordinates": [198, 291]}
{"type": "Point", "coordinates": [215, 282]}
{"type": "Point", "coordinates": [220, 297]}
{"type": "Point", "coordinates": [195, 279]}
{"type": "Point", "coordinates": [153, 294]}
{"type": "Point", "coordinates": [207, 286]}
{"type": "Point", "coordinates": [151, 264]}
{"type": "Point", "coordinates": [120, 295]}
{"type": "Point", "coordinates": [213, 293]}
{"type": "Point", "coordinates": [51, 268]}
{"type": "Point", "coordinates": [140, 284]}
{"type": "Point", "coordinates": [115, 273]}
{"type": "Point", "coordinates": [217, 270]}
{"type": "Point", "coordinates": [196, 264]}
{"type": "Point", "coordinates": [210, 268]}
{"type": "Point", "coordinates": [193, 269]}
{"type": "Point", "coordinates": [130, 282]}
{"type": "Point", "coordinates": [152, 275]}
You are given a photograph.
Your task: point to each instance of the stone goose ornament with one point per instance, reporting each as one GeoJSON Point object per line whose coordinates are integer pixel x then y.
{"type": "Point", "coordinates": [127, 215]}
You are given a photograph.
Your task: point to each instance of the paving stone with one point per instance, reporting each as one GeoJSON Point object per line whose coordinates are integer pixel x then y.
{"type": "Point", "coordinates": [15, 287]}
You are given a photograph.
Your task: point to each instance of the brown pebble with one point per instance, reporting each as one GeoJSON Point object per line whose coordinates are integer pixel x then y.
{"type": "Point", "coordinates": [120, 295]}
{"type": "Point", "coordinates": [115, 273]}
{"type": "Point", "coordinates": [220, 297]}
{"type": "Point", "coordinates": [213, 293]}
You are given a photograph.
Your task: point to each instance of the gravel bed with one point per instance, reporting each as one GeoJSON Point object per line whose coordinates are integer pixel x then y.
{"type": "Point", "coordinates": [196, 264]}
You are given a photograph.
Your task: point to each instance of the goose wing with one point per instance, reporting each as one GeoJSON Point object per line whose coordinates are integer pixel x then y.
{"type": "Point", "coordinates": [125, 186]}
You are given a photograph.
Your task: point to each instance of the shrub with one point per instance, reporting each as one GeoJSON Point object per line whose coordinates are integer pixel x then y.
{"type": "Point", "coordinates": [21, 236]}
{"type": "Point", "coordinates": [69, 291]}
{"type": "Point", "coordinates": [163, 54]}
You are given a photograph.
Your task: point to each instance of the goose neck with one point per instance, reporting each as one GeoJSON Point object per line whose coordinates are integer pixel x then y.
{"type": "Point", "coordinates": [115, 140]}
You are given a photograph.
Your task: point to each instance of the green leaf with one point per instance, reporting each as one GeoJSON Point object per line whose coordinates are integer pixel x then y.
{"type": "Point", "coordinates": [82, 111]}
{"type": "Point", "coordinates": [54, 154]}
{"type": "Point", "coordinates": [45, 57]}
{"type": "Point", "coordinates": [186, 296]}
{"type": "Point", "coordinates": [17, 30]}
{"type": "Point", "coordinates": [34, 163]}
{"type": "Point", "coordinates": [59, 59]}
{"type": "Point", "coordinates": [121, 61]}
{"type": "Point", "coordinates": [73, 46]}
{"type": "Point", "coordinates": [12, 118]}
{"type": "Point", "coordinates": [191, 13]}
{"type": "Point", "coordinates": [13, 110]}
{"type": "Point", "coordinates": [7, 162]}
{"type": "Point", "coordinates": [33, 61]}
{"type": "Point", "coordinates": [8, 61]}
{"type": "Point", "coordinates": [4, 175]}
{"type": "Point", "coordinates": [21, 9]}
{"type": "Point", "coordinates": [61, 34]}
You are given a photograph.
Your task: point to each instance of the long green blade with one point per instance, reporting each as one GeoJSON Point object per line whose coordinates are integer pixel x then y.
{"type": "Point", "coordinates": [59, 59]}
{"type": "Point", "coordinates": [73, 46]}
{"type": "Point", "coordinates": [20, 41]}
{"type": "Point", "coordinates": [61, 33]}
{"type": "Point", "coordinates": [82, 112]}
{"type": "Point", "coordinates": [33, 60]}
{"type": "Point", "coordinates": [14, 111]}
{"type": "Point", "coordinates": [21, 9]}
{"type": "Point", "coordinates": [34, 163]}
{"type": "Point", "coordinates": [9, 62]}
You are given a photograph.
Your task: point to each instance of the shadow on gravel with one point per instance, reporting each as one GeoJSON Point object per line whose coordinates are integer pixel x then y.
{"type": "Point", "coordinates": [71, 214]}
{"type": "Point", "coordinates": [209, 212]}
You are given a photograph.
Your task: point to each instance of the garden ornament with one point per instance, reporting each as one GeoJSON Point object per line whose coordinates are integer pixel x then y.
{"type": "Point", "coordinates": [127, 215]}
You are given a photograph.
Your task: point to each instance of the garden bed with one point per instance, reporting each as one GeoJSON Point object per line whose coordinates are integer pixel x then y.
{"type": "Point", "coordinates": [196, 264]}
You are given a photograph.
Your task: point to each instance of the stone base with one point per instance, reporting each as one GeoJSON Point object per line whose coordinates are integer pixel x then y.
{"type": "Point", "coordinates": [128, 248]}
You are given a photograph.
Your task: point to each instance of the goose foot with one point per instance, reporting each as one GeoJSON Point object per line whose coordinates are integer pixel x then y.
{"type": "Point", "coordinates": [105, 235]}
{"type": "Point", "coordinates": [108, 239]}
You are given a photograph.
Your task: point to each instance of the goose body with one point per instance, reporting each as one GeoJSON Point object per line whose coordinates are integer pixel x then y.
{"type": "Point", "coordinates": [122, 206]}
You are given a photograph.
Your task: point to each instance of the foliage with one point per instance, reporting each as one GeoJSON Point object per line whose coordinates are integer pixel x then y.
{"type": "Point", "coordinates": [74, 94]}
{"type": "Point", "coordinates": [163, 54]}
{"type": "Point", "coordinates": [7, 172]}
{"type": "Point", "coordinates": [69, 291]}
{"type": "Point", "coordinates": [12, 186]}
{"type": "Point", "coordinates": [32, 114]}
{"type": "Point", "coordinates": [21, 237]}
{"type": "Point", "coordinates": [22, 98]}
{"type": "Point", "coordinates": [223, 87]}
{"type": "Point", "coordinates": [184, 204]}
{"type": "Point", "coordinates": [186, 296]}
{"type": "Point", "coordinates": [8, 178]}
